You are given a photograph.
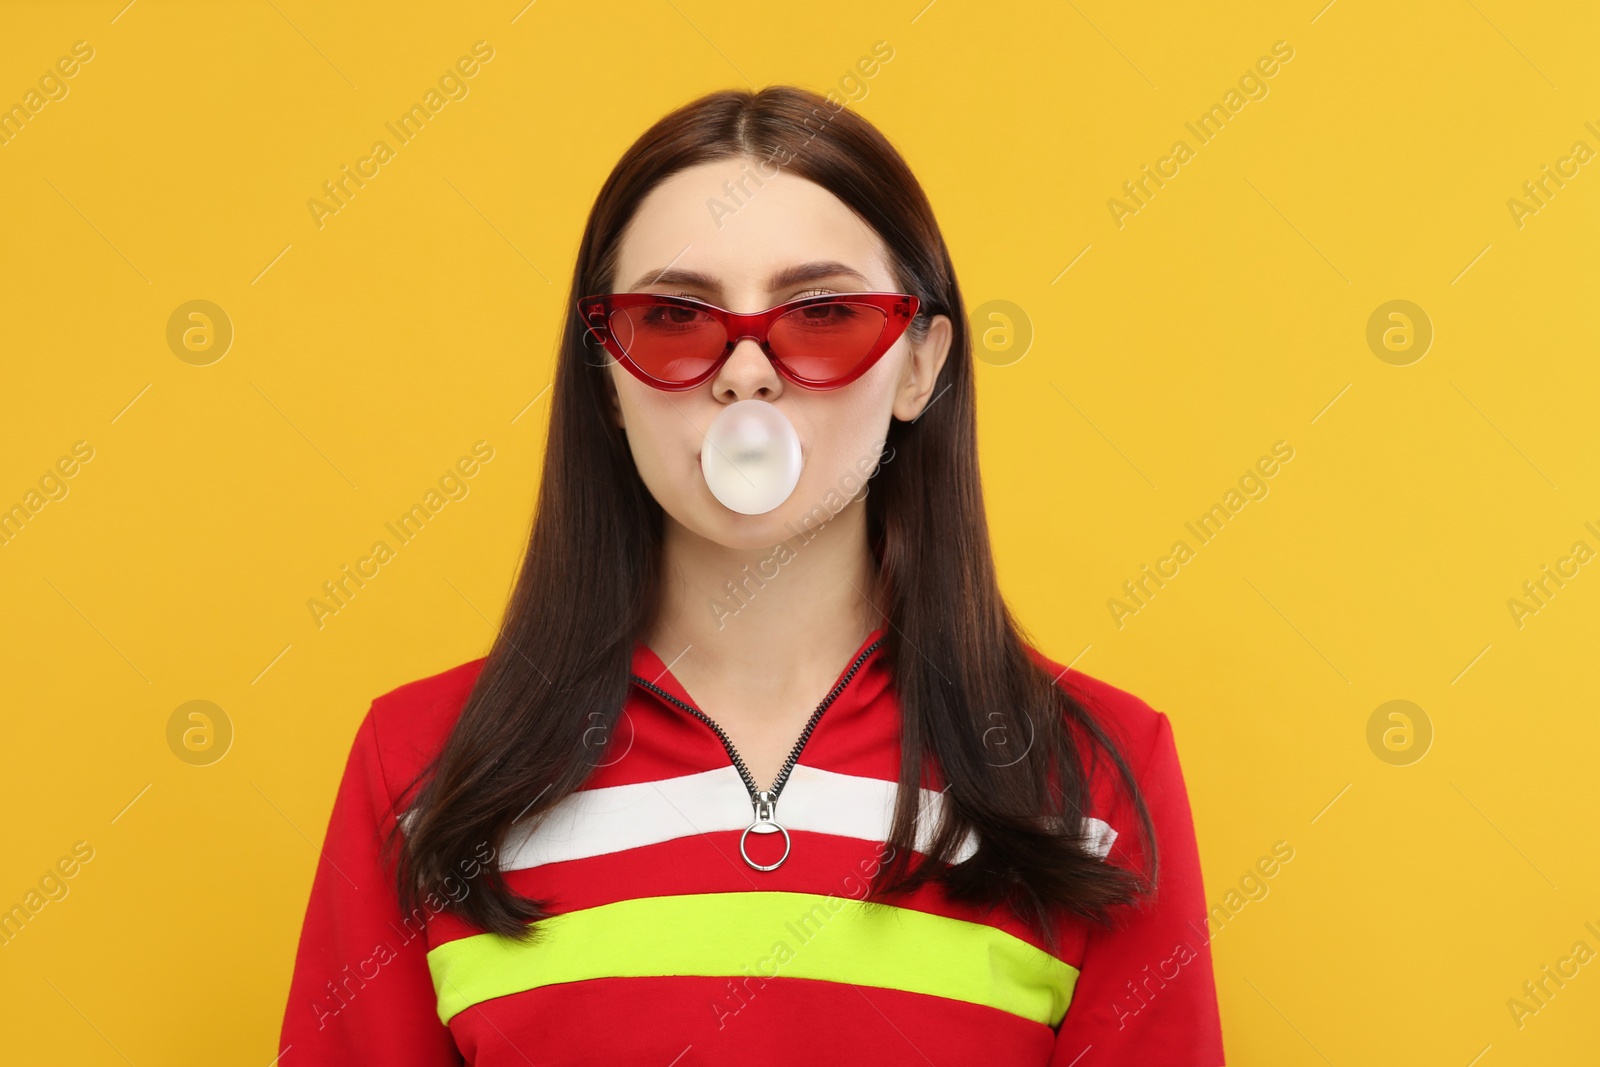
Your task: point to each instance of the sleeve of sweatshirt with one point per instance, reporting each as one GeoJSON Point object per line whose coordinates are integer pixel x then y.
{"type": "Point", "coordinates": [361, 991]}
{"type": "Point", "coordinates": [1146, 995]}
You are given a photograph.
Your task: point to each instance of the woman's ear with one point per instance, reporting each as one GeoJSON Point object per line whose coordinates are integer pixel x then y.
{"type": "Point", "coordinates": [922, 370]}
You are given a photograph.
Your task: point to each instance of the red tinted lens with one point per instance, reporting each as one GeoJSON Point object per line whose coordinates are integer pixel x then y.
{"type": "Point", "coordinates": [827, 340]}
{"type": "Point", "coordinates": [669, 341]}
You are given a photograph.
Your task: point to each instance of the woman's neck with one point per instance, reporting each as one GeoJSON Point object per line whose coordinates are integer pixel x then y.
{"type": "Point", "coordinates": [778, 616]}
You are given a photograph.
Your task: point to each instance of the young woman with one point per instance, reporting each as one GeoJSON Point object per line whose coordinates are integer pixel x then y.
{"type": "Point", "coordinates": [760, 769]}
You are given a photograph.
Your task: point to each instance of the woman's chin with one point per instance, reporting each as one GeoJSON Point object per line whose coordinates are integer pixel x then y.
{"type": "Point", "coordinates": [741, 532]}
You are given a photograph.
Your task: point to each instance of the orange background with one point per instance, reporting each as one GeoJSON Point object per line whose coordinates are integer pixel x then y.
{"type": "Point", "coordinates": [1164, 356]}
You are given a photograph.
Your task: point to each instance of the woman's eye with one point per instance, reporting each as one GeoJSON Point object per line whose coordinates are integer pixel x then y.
{"type": "Point", "coordinates": [811, 292]}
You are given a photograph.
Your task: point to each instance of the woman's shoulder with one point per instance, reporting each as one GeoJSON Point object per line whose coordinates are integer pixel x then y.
{"type": "Point", "coordinates": [1143, 736]}
{"type": "Point", "coordinates": [1131, 721]}
{"type": "Point", "coordinates": [410, 722]}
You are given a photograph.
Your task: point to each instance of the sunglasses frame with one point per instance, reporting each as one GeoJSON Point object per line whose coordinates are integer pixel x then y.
{"type": "Point", "coordinates": [899, 310]}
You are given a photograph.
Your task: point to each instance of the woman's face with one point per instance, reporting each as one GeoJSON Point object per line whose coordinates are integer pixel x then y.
{"type": "Point", "coordinates": [741, 243]}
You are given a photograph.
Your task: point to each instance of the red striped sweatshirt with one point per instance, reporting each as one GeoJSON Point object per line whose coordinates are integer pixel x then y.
{"type": "Point", "coordinates": [669, 947]}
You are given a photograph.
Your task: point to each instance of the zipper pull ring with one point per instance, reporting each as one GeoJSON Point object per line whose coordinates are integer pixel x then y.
{"type": "Point", "coordinates": [765, 822]}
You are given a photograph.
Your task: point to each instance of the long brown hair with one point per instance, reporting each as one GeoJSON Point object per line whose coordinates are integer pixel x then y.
{"type": "Point", "coordinates": [557, 676]}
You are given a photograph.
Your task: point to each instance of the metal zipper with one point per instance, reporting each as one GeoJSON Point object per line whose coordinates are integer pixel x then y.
{"type": "Point", "coordinates": [765, 801]}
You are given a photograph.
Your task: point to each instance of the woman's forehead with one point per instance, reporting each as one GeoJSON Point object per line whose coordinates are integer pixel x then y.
{"type": "Point", "coordinates": [714, 220]}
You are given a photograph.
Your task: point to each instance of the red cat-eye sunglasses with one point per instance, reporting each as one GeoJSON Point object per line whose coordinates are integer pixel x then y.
{"type": "Point", "coordinates": [816, 342]}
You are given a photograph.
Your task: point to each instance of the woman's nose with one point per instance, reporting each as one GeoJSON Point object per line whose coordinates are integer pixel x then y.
{"type": "Point", "coordinates": [747, 374]}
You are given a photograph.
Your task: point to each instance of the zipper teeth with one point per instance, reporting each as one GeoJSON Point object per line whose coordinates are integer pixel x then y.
{"type": "Point", "coordinates": [794, 754]}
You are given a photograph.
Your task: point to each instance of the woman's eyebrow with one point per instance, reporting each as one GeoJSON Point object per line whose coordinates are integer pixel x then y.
{"type": "Point", "coordinates": [789, 276]}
